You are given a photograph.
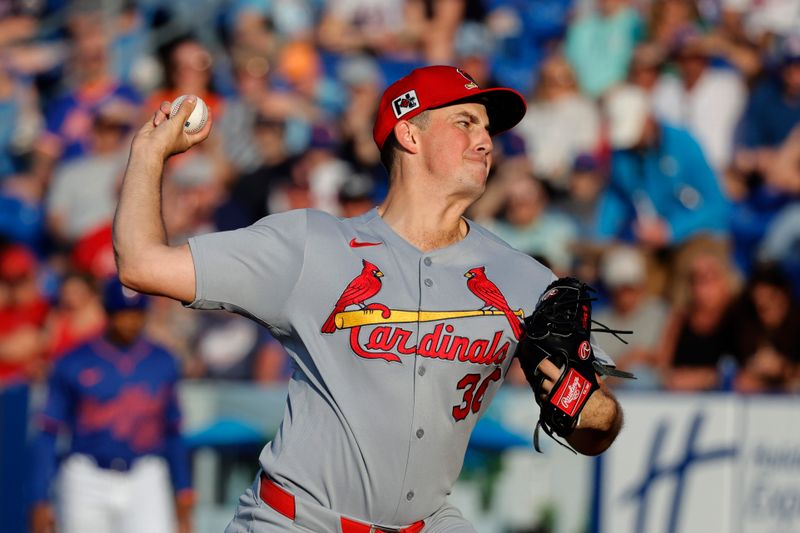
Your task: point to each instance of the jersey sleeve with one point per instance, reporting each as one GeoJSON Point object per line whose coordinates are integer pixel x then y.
{"type": "Point", "coordinates": [251, 271]}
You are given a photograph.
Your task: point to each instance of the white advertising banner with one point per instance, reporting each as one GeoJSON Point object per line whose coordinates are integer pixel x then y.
{"type": "Point", "coordinates": [703, 463]}
{"type": "Point", "coordinates": [673, 469]}
{"type": "Point", "coordinates": [769, 499]}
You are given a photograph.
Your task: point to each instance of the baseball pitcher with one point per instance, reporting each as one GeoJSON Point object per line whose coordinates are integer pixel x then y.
{"type": "Point", "coordinates": [401, 323]}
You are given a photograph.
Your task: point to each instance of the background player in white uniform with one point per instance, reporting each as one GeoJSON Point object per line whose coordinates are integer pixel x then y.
{"type": "Point", "coordinates": [401, 323]}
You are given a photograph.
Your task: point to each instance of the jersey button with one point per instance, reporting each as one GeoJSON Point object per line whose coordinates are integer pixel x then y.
{"type": "Point", "coordinates": [427, 261]}
{"type": "Point", "coordinates": [410, 495]}
{"type": "Point", "coordinates": [428, 282]}
{"type": "Point", "coordinates": [421, 371]}
{"type": "Point", "coordinates": [420, 433]}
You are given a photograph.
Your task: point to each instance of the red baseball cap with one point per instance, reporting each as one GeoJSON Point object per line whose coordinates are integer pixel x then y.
{"type": "Point", "coordinates": [437, 86]}
{"type": "Point", "coordinates": [16, 262]}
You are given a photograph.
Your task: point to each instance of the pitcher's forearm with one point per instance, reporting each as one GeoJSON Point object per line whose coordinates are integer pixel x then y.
{"type": "Point", "coordinates": [138, 223]}
{"type": "Point", "coordinates": [145, 261]}
{"type": "Point", "coordinates": [600, 423]}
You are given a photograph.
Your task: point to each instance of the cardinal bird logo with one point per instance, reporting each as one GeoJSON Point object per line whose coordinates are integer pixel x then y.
{"type": "Point", "coordinates": [472, 83]}
{"type": "Point", "coordinates": [483, 288]}
{"type": "Point", "coordinates": [363, 287]}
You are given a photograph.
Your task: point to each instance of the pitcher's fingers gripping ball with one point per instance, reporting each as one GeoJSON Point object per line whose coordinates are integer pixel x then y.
{"type": "Point", "coordinates": [168, 134]}
{"type": "Point", "coordinates": [559, 330]}
{"type": "Point", "coordinates": [197, 119]}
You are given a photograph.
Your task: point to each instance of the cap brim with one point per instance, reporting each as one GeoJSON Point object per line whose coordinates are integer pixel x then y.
{"type": "Point", "coordinates": [505, 107]}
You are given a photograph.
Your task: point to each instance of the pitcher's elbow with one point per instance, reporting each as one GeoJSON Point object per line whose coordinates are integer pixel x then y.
{"type": "Point", "coordinates": [126, 275]}
{"type": "Point", "coordinates": [130, 274]}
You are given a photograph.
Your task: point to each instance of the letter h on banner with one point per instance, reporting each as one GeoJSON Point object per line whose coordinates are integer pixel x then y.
{"type": "Point", "coordinates": [654, 472]}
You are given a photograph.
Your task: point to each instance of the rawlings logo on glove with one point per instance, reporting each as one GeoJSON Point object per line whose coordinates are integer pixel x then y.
{"type": "Point", "coordinates": [573, 393]}
{"type": "Point", "coordinates": [559, 330]}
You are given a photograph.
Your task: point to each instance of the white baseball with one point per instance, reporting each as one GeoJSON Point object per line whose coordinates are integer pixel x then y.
{"type": "Point", "coordinates": [198, 117]}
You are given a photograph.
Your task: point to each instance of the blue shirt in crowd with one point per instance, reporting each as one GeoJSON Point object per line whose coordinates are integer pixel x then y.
{"type": "Point", "coordinates": [769, 117]}
{"type": "Point", "coordinates": [671, 180]}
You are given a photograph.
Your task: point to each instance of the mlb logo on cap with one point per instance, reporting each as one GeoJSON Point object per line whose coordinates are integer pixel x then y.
{"type": "Point", "coordinates": [438, 86]}
{"type": "Point", "coordinates": [405, 103]}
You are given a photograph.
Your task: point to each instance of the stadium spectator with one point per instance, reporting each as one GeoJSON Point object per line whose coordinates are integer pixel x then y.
{"type": "Point", "coordinates": [22, 217]}
{"type": "Point", "coordinates": [259, 27]}
{"type": "Point", "coordinates": [437, 23]}
{"type": "Point", "coordinates": [300, 70]}
{"type": "Point", "coordinates": [89, 85]}
{"type": "Point", "coordinates": [363, 79]}
{"type": "Point", "coordinates": [380, 27]}
{"type": "Point", "coordinates": [781, 243]}
{"type": "Point", "coordinates": [93, 254]}
{"type": "Point", "coordinates": [253, 94]}
{"type": "Point", "coordinates": [668, 19]}
{"type": "Point", "coordinates": [320, 170]}
{"type": "Point", "coordinates": [728, 41]}
{"type": "Point", "coordinates": [772, 113]}
{"type": "Point", "coordinates": [705, 100]}
{"type": "Point", "coordinates": [17, 22]}
{"type": "Point", "coordinates": [586, 181]}
{"type": "Point", "coordinates": [646, 63]}
{"type": "Point", "coordinates": [764, 179]}
{"type": "Point", "coordinates": [77, 315]}
{"type": "Point", "coordinates": [250, 29]}
{"type": "Point", "coordinates": [560, 123]}
{"type": "Point", "coordinates": [767, 20]}
{"type": "Point", "coordinates": [700, 329]}
{"type": "Point", "coordinates": [599, 45]}
{"type": "Point", "coordinates": [250, 193]}
{"type": "Point", "coordinates": [133, 61]}
{"type": "Point", "coordinates": [631, 307]}
{"type": "Point", "coordinates": [661, 190]}
{"type": "Point", "coordinates": [529, 224]}
{"type": "Point", "coordinates": [23, 313]}
{"type": "Point", "coordinates": [83, 191]}
{"type": "Point", "coordinates": [252, 82]}
{"type": "Point", "coordinates": [525, 32]}
{"type": "Point", "coordinates": [20, 119]}
{"type": "Point", "coordinates": [767, 341]}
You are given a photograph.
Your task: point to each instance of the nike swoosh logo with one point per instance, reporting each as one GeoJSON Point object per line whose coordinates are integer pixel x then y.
{"type": "Point", "coordinates": [359, 244]}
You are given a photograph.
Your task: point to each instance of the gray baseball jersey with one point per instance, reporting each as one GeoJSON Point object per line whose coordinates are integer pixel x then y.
{"type": "Point", "coordinates": [397, 352]}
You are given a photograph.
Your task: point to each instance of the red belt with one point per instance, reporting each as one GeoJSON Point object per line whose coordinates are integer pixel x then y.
{"type": "Point", "coordinates": [283, 501]}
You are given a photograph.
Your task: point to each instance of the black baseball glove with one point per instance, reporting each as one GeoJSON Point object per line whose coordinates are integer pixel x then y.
{"type": "Point", "coordinates": [559, 330]}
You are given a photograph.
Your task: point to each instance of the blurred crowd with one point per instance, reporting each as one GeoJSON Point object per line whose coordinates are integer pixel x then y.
{"type": "Point", "coordinates": [659, 160]}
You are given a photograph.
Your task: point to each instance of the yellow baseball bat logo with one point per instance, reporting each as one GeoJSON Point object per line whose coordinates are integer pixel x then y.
{"type": "Point", "coordinates": [367, 317]}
